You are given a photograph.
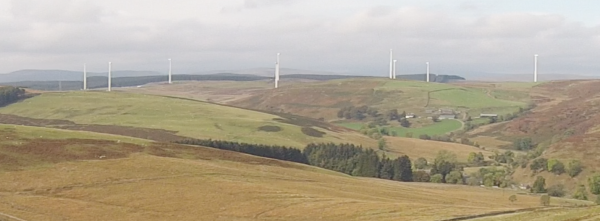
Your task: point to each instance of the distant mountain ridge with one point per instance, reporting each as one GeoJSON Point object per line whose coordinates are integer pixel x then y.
{"type": "Point", "coordinates": [72, 80]}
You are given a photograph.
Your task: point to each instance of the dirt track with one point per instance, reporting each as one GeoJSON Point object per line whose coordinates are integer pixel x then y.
{"type": "Point", "coordinates": [144, 133]}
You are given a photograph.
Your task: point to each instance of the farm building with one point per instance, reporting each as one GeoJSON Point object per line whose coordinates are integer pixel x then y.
{"type": "Point", "coordinates": [488, 115]}
{"type": "Point", "coordinates": [447, 116]}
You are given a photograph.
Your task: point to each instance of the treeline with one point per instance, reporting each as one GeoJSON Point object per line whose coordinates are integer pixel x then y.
{"type": "Point", "coordinates": [356, 161]}
{"type": "Point", "coordinates": [10, 95]}
{"type": "Point", "coordinates": [346, 158]}
{"type": "Point", "coordinates": [274, 152]}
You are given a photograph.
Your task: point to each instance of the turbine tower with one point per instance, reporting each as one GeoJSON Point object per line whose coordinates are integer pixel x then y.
{"type": "Point", "coordinates": [427, 63]}
{"type": "Point", "coordinates": [277, 72]}
{"type": "Point", "coordinates": [535, 68]}
{"type": "Point", "coordinates": [84, 78]}
{"type": "Point", "coordinates": [391, 63]}
{"type": "Point", "coordinates": [170, 71]}
{"type": "Point", "coordinates": [109, 75]}
{"type": "Point", "coordinates": [394, 70]}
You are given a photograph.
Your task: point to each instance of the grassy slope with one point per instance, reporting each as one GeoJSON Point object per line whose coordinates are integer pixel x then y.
{"type": "Point", "coordinates": [63, 179]}
{"type": "Point", "coordinates": [26, 132]}
{"type": "Point", "coordinates": [226, 186]}
{"type": "Point", "coordinates": [189, 118]}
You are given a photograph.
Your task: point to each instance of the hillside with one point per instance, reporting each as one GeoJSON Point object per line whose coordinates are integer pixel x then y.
{"type": "Point", "coordinates": [174, 182]}
{"type": "Point", "coordinates": [181, 117]}
{"type": "Point", "coordinates": [563, 123]}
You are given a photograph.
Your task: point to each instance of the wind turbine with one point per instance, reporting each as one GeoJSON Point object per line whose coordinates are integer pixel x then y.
{"type": "Point", "coordinates": [277, 72]}
{"type": "Point", "coordinates": [394, 69]}
{"type": "Point", "coordinates": [109, 74]}
{"type": "Point", "coordinates": [427, 63]}
{"type": "Point", "coordinates": [84, 78]}
{"type": "Point", "coordinates": [170, 71]}
{"type": "Point", "coordinates": [391, 63]}
{"type": "Point", "coordinates": [535, 68]}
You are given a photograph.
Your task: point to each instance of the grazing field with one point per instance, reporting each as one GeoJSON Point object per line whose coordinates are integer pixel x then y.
{"type": "Point", "coordinates": [186, 118]}
{"type": "Point", "coordinates": [324, 98]}
{"type": "Point", "coordinates": [221, 185]}
{"type": "Point", "coordinates": [438, 128]}
{"type": "Point", "coordinates": [415, 148]}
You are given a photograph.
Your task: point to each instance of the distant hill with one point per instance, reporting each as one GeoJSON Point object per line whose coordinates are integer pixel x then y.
{"type": "Point", "coordinates": [70, 80]}
{"type": "Point", "coordinates": [497, 77]}
{"type": "Point", "coordinates": [63, 75]}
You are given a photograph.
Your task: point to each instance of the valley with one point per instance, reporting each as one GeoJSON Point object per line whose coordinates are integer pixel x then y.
{"type": "Point", "coordinates": [110, 143]}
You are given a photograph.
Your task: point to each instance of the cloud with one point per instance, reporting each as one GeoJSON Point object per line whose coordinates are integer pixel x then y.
{"type": "Point", "coordinates": [331, 37]}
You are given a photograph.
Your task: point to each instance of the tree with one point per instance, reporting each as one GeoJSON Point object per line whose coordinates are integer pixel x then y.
{"type": "Point", "coordinates": [393, 114]}
{"type": "Point", "coordinates": [594, 183]}
{"type": "Point", "coordinates": [402, 169]}
{"type": "Point", "coordinates": [404, 122]}
{"type": "Point", "coordinates": [523, 144]}
{"type": "Point", "coordinates": [512, 198]}
{"type": "Point", "coordinates": [555, 166]}
{"type": "Point", "coordinates": [597, 200]}
{"type": "Point", "coordinates": [386, 170]}
{"type": "Point", "coordinates": [476, 158]}
{"type": "Point", "coordinates": [454, 177]}
{"type": "Point", "coordinates": [539, 186]}
{"type": "Point", "coordinates": [420, 163]}
{"type": "Point", "coordinates": [545, 200]}
{"type": "Point", "coordinates": [556, 190]}
{"type": "Point", "coordinates": [539, 164]}
{"type": "Point", "coordinates": [574, 168]}
{"type": "Point", "coordinates": [421, 176]}
{"type": "Point", "coordinates": [437, 178]}
{"type": "Point", "coordinates": [444, 163]}
{"type": "Point", "coordinates": [580, 193]}
{"type": "Point", "coordinates": [381, 143]}
{"type": "Point", "coordinates": [435, 119]}
{"type": "Point", "coordinates": [473, 181]}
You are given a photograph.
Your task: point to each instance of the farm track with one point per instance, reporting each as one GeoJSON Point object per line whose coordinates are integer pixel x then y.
{"type": "Point", "coordinates": [137, 132]}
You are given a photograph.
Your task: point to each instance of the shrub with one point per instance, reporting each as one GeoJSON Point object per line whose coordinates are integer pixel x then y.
{"type": "Point", "coordinates": [437, 178]}
{"type": "Point", "coordinates": [454, 177]}
{"type": "Point", "coordinates": [555, 166]}
{"type": "Point", "coordinates": [594, 183]}
{"type": "Point", "coordinates": [512, 198]}
{"type": "Point", "coordinates": [539, 186]}
{"type": "Point", "coordinates": [580, 193]}
{"type": "Point", "coordinates": [420, 163]}
{"type": "Point", "coordinates": [574, 168]}
{"type": "Point", "coordinates": [545, 200]}
{"type": "Point", "coordinates": [556, 190]}
{"type": "Point", "coordinates": [421, 176]}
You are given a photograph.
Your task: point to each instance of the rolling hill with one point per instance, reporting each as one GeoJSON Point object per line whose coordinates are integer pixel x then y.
{"type": "Point", "coordinates": [181, 117]}
{"type": "Point", "coordinates": [68, 179]}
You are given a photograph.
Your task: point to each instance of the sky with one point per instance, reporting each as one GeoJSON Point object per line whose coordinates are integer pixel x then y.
{"type": "Point", "coordinates": [343, 36]}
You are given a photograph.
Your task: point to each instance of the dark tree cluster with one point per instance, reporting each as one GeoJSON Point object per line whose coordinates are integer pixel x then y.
{"type": "Point", "coordinates": [274, 152]}
{"type": "Point", "coordinates": [524, 144]}
{"type": "Point", "coordinates": [10, 95]}
{"type": "Point", "coordinates": [356, 161]}
{"type": "Point", "coordinates": [357, 113]}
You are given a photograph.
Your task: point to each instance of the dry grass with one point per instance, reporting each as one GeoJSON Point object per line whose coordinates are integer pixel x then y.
{"type": "Point", "coordinates": [415, 148]}
{"type": "Point", "coordinates": [145, 187]}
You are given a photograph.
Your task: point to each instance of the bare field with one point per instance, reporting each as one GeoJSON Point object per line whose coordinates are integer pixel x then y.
{"type": "Point", "coordinates": [144, 187]}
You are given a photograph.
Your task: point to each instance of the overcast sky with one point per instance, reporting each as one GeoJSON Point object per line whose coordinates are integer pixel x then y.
{"type": "Point", "coordinates": [348, 36]}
